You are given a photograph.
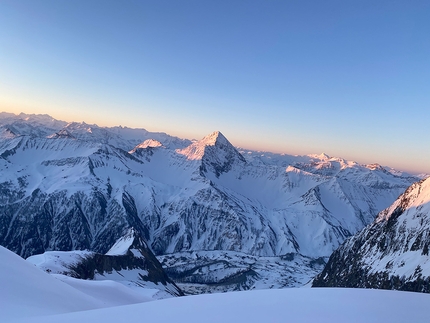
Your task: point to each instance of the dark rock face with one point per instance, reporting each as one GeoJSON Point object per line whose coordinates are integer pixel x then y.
{"type": "Point", "coordinates": [61, 222]}
{"type": "Point", "coordinates": [137, 256]}
{"type": "Point", "coordinates": [130, 258]}
{"type": "Point", "coordinates": [220, 157]}
{"type": "Point", "coordinates": [391, 253]}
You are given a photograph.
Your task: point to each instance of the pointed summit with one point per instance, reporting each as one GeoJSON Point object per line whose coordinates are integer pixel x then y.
{"type": "Point", "coordinates": [129, 241]}
{"type": "Point", "coordinates": [198, 149]}
{"type": "Point", "coordinates": [214, 138]}
{"type": "Point", "coordinates": [216, 153]}
{"type": "Point", "coordinates": [322, 156]}
{"type": "Point", "coordinates": [149, 143]}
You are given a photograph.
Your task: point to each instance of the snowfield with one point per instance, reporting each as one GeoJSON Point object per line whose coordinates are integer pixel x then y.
{"type": "Point", "coordinates": [33, 296]}
{"type": "Point", "coordinates": [287, 305]}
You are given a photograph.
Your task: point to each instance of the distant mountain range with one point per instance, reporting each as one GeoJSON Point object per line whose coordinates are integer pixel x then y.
{"type": "Point", "coordinates": [210, 211]}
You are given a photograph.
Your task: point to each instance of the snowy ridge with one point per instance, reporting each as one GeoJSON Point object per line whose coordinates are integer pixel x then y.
{"type": "Point", "coordinates": [129, 262]}
{"type": "Point", "coordinates": [123, 244]}
{"type": "Point", "coordinates": [46, 126]}
{"type": "Point", "coordinates": [31, 296]}
{"type": "Point", "coordinates": [392, 252]}
{"type": "Point", "coordinates": [300, 305]}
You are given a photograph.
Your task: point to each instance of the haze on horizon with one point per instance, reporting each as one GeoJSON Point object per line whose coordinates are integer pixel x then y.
{"type": "Point", "coordinates": [299, 77]}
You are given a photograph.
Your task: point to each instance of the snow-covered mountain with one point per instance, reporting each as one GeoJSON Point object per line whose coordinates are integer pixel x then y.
{"type": "Point", "coordinates": [129, 262]}
{"type": "Point", "coordinates": [79, 187]}
{"type": "Point", "coordinates": [392, 252]}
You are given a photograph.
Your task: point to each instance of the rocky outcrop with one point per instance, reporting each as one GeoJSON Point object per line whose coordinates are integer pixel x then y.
{"type": "Point", "coordinates": [129, 261]}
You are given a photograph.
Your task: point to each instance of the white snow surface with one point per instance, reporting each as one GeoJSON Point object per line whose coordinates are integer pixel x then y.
{"type": "Point", "coordinates": [122, 245]}
{"type": "Point", "coordinates": [291, 305]}
{"type": "Point", "coordinates": [28, 291]}
{"type": "Point", "coordinates": [111, 293]}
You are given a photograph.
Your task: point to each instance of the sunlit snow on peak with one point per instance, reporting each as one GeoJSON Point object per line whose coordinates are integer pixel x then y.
{"type": "Point", "coordinates": [149, 143]}
{"type": "Point", "coordinates": [196, 150]}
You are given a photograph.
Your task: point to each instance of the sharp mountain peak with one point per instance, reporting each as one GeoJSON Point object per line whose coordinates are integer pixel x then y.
{"type": "Point", "coordinates": [214, 138]}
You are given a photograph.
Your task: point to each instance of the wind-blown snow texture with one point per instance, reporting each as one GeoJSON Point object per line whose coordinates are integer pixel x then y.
{"type": "Point", "coordinates": [392, 252]}
{"type": "Point", "coordinates": [77, 186]}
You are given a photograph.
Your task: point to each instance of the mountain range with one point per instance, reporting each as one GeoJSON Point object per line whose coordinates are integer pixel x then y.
{"type": "Point", "coordinates": [217, 216]}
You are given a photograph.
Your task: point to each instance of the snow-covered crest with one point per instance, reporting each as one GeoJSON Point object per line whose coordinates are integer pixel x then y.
{"type": "Point", "coordinates": [415, 199]}
{"type": "Point", "coordinates": [129, 262]}
{"type": "Point", "coordinates": [125, 243]}
{"type": "Point", "coordinates": [392, 252]}
{"type": "Point", "coordinates": [149, 143]}
{"type": "Point", "coordinates": [197, 150]}
{"type": "Point", "coordinates": [121, 137]}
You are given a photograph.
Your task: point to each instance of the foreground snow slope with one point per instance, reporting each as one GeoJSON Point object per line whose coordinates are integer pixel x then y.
{"type": "Point", "coordinates": [30, 295]}
{"type": "Point", "coordinates": [26, 291]}
{"type": "Point", "coordinates": [288, 305]}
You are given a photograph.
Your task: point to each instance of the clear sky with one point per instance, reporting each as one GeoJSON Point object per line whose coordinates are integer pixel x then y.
{"type": "Point", "coordinates": [348, 78]}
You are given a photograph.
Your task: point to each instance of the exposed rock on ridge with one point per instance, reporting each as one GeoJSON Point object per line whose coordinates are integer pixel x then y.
{"type": "Point", "coordinates": [216, 153]}
{"type": "Point", "coordinates": [129, 261]}
{"type": "Point", "coordinates": [391, 253]}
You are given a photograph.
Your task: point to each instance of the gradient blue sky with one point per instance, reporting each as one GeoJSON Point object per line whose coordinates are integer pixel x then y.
{"type": "Point", "coordinates": [348, 78]}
